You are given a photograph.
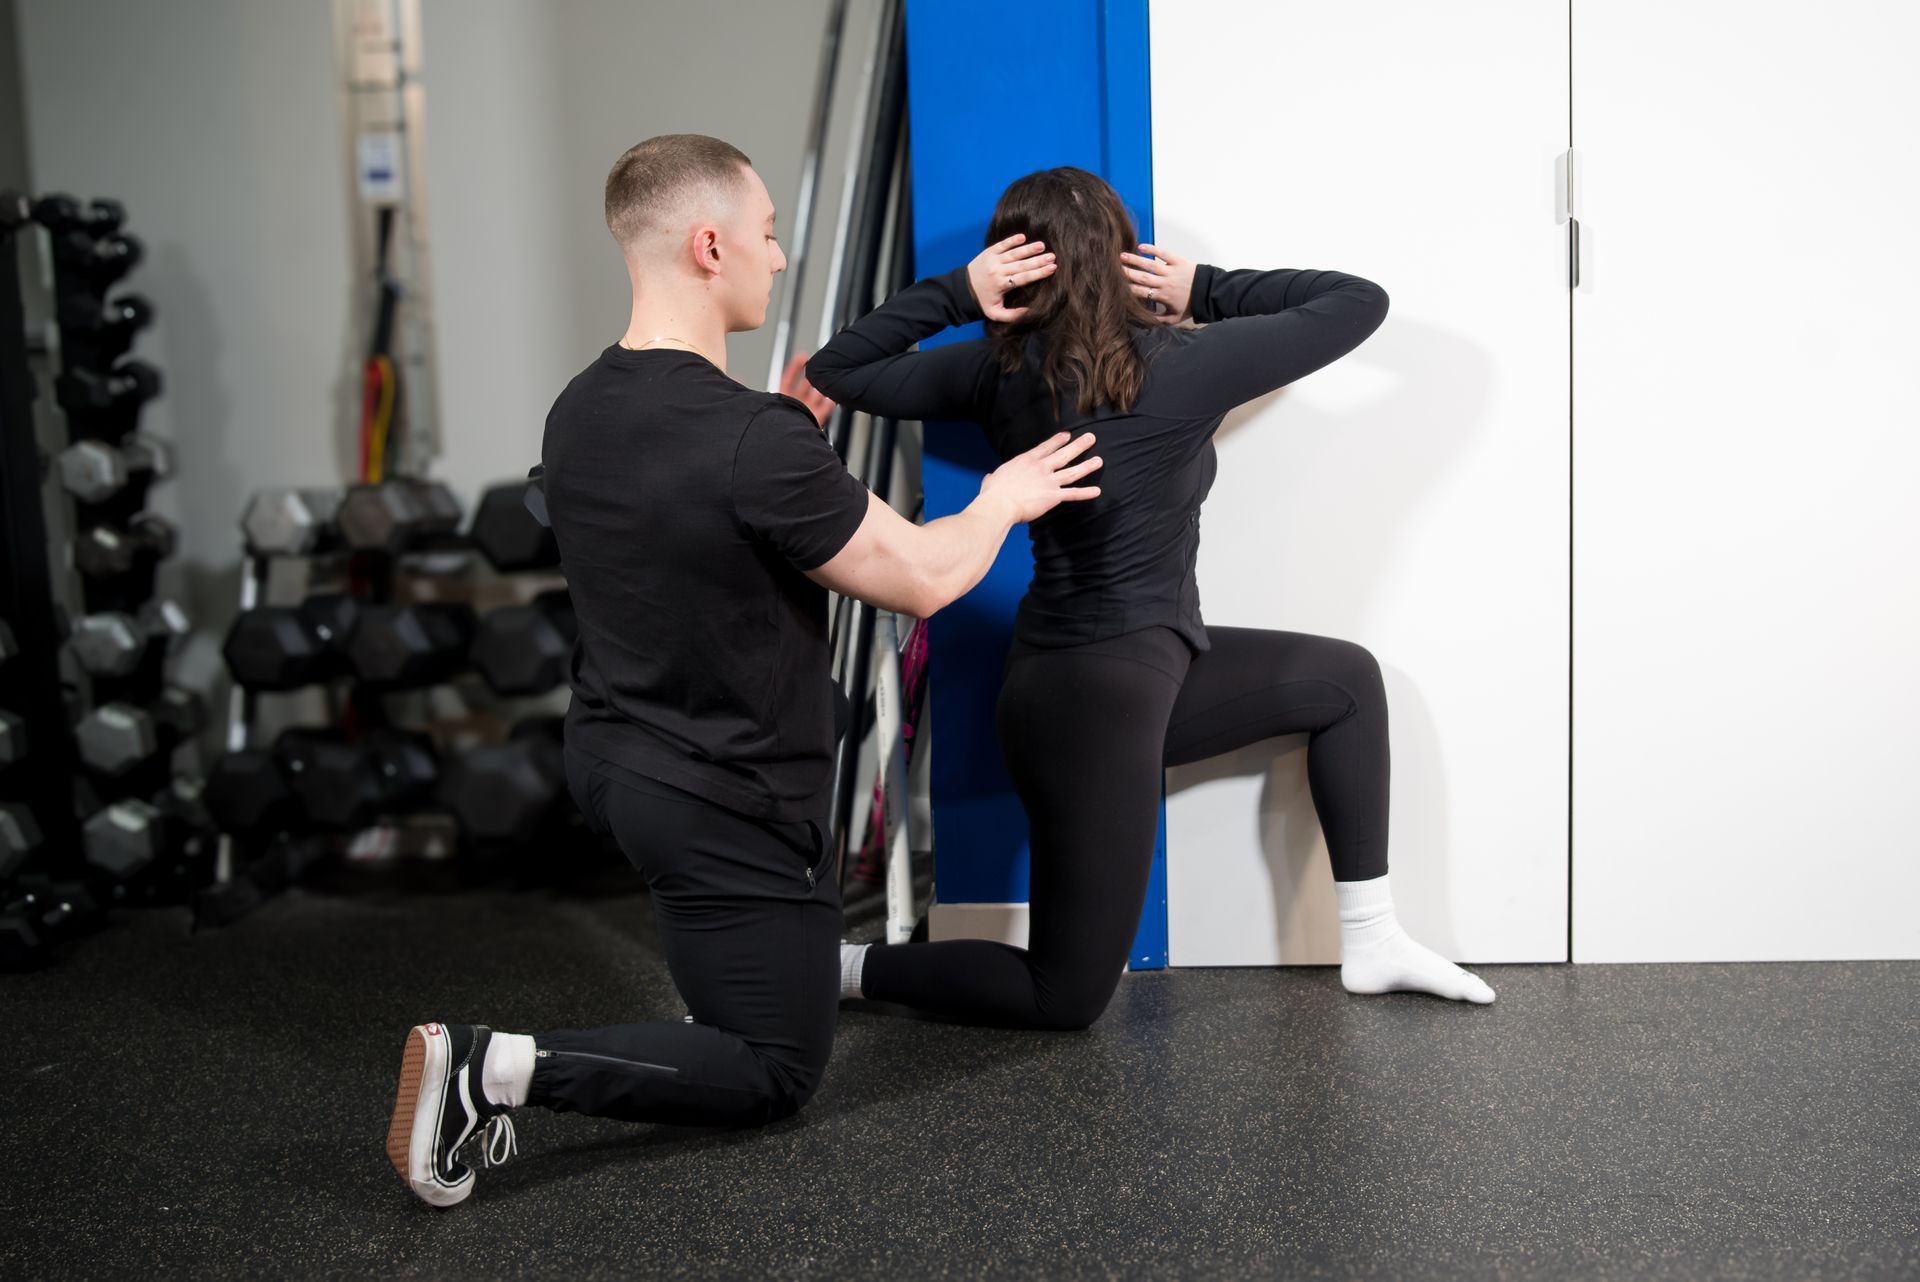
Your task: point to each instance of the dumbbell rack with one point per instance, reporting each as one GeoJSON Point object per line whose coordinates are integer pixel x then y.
{"type": "Point", "coordinates": [30, 689]}
{"type": "Point", "coordinates": [115, 823]}
{"type": "Point", "coordinates": [282, 807]}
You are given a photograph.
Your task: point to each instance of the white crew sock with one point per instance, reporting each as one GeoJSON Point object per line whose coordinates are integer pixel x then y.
{"type": "Point", "coordinates": [1378, 956]}
{"type": "Point", "coordinates": [507, 1074]}
{"type": "Point", "coordinates": [853, 960]}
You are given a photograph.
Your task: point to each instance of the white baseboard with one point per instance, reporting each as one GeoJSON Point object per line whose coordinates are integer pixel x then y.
{"type": "Point", "coordinates": [1002, 923]}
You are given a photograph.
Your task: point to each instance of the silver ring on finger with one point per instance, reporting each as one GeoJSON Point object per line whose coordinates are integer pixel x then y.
{"type": "Point", "coordinates": [1149, 296]}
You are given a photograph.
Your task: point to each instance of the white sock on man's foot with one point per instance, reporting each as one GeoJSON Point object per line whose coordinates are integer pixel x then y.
{"type": "Point", "coordinates": [1378, 956]}
{"type": "Point", "coordinates": [853, 960]}
{"type": "Point", "coordinates": [507, 1074]}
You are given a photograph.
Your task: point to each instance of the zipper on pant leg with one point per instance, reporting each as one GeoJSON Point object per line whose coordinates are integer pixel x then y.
{"type": "Point", "coordinates": [637, 1065]}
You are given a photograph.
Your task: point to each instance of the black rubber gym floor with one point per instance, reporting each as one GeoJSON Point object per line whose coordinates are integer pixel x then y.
{"type": "Point", "coordinates": [215, 1105]}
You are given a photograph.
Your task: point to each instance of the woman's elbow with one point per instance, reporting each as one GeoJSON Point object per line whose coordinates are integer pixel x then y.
{"type": "Point", "coordinates": [827, 375]}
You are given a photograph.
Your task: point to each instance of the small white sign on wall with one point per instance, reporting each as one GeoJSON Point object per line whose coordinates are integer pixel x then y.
{"type": "Point", "coordinates": [379, 167]}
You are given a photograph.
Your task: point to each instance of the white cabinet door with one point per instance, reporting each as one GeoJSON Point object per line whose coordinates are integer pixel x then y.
{"type": "Point", "coordinates": [1747, 498]}
{"type": "Point", "coordinates": [1412, 497]}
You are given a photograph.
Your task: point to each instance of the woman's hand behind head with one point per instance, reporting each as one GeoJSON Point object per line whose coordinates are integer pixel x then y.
{"type": "Point", "coordinates": [1164, 279]}
{"type": "Point", "coordinates": [1002, 268]}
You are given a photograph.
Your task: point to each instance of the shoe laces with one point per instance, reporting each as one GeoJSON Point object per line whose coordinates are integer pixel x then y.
{"type": "Point", "coordinates": [501, 1142]}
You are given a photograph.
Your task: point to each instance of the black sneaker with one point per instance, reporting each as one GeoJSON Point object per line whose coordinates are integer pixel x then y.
{"type": "Point", "coordinates": [439, 1107]}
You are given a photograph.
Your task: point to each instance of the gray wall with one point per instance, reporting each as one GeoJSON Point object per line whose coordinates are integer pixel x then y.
{"type": "Point", "coordinates": [219, 122]}
{"type": "Point", "coordinates": [13, 129]}
{"type": "Point", "coordinates": [527, 107]}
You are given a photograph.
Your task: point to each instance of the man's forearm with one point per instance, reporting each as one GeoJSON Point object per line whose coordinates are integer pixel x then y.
{"type": "Point", "coordinates": [956, 551]}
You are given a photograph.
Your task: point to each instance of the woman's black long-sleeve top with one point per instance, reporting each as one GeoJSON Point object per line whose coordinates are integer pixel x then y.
{"type": "Point", "coordinates": [1123, 561]}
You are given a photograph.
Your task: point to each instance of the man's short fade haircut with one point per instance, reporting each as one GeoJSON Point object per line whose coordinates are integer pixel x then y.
{"type": "Point", "coordinates": [651, 183]}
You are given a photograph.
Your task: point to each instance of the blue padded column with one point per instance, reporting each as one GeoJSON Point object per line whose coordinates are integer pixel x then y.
{"type": "Point", "coordinates": [1069, 88]}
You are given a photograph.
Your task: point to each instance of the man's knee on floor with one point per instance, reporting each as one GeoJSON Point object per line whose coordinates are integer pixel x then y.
{"type": "Point", "coordinates": [789, 1083]}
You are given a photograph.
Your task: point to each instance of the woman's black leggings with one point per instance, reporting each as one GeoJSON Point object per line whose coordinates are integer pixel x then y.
{"type": "Point", "coordinates": [1087, 732]}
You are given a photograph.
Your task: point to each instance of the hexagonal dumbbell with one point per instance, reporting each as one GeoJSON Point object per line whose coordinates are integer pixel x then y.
{"type": "Point", "coordinates": [409, 646]}
{"type": "Point", "coordinates": [104, 552]}
{"type": "Point", "coordinates": [93, 471]}
{"type": "Point", "coordinates": [59, 212]}
{"type": "Point", "coordinates": [395, 516]}
{"type": "Point", "coordinates": [116, 737]}
{"type": "Point", "coordinates": [503, 793]}
{"type": "Point", "coordinates": [247, 794]}
{"type": "Point", "coordinates": [507, 533]}
{"type": "Point", "coordinates": [291, 522]}
{"type": "Point", "coordinates": [124, 838]}
{"type": "Point", "coordinates": [127, 386]}
{"type": "Point", "coordinates": [96, 261]}
{"type": "Point", "coordinates": [113, 643]}
{"type": "Point", "coordinates": [281, 647]}
{"type": "Point", "coordinates": [345, 785]}
{"type": "Point", "coordinates": [13, 738]}
{"type": "Point", "coordinates": [39, 914]}
{"type": "Point", "coordinates": [106, 327]}
{"type": "Point", "coordinates": [535, 496]}
{"type": "Point", "coordinates": [20, 836]}
{"type": "Point", "coordinates": [526, 649]}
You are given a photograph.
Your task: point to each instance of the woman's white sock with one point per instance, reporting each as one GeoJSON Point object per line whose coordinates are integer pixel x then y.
{"type": "Point", "coordinates": [507, 1074]}
{"type": "Point", "coordinates": [1378, 956]}
{"type": "Point", "coordinates": [853, 960]}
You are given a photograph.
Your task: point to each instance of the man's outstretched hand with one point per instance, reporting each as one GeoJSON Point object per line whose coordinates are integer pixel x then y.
{"type": "Point", "coordinates": [794, 383]}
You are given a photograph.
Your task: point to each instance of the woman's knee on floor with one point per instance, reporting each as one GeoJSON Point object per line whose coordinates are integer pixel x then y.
{"type": "Point", "coordinates": [1074, 1003]}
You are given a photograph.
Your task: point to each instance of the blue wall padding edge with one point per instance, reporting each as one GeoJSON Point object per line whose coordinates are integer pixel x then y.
{"type": "Point", "coordinates": [1070, 89]}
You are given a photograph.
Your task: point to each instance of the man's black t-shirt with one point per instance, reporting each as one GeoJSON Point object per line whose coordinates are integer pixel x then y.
{"type": "Point", "coordinates": [686, 506]}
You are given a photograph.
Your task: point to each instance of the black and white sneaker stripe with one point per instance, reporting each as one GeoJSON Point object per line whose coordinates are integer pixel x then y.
{"type": "Point", "coordinates": [439, 1107]}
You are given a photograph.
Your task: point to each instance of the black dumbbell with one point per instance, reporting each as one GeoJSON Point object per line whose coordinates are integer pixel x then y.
{"type": "Point", "coordinates": [127, 386]}
{"type": "Point", "coordinates": [291, 522]}
{"type": "Point", "coordinates": [507, 533]}
{"type": "Point", "coordinates": [59, 212]}
{"type": "Point", "coordinates": [95, 262]}
{"type": "Point", "coordinates": [503, 793]}
{"type": "Point", "coordinates": [43, 914]}
{"type": "Point", "coordinates": [116, 737]}
{"type": "Point", "coordinates": [526, 649]}
{"type": "Point", "coordinates": [107, 328]}
{"type": "Point", "coordinates": [113, 643]}
{"type": "Point", "coordinates": [104, 552]}
{"type": "Point", "coordinates": [247, 794]}
{"type": "Point", "coordinates": [13, 738]}
{"type": "Point", "coordinates": [345, 785]}
{"type": "Point", "coordinates": [122, 839]}
{"type": "Point", "coordinates": [148, 850]}
{"type": "Point", "coordinates": [284, 647]}
{"type": "Point", "coordinates": [534, 498]}
{"type": "Point", "coordinates": [409, 646]}
{"type": "Point", "coordinates": [93, 471]}
{"type": "Point", "coordinates": [20, 836]}
{"type": "Point", "coordinates": [397, 516]}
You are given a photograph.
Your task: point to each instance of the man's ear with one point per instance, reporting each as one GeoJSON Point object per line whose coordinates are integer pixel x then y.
{"type": "Point", "coordinates": [706, 248]}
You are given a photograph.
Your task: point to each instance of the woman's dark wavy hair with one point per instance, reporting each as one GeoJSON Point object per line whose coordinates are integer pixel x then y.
{"type": "Point", "coordinates": [1086, 308]}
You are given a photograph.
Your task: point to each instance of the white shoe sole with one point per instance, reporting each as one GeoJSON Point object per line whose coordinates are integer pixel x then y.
{"type": "Point", "coordinates": [414, 1130]}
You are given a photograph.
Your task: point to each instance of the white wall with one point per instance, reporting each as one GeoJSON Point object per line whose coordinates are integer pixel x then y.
{"type": "Point", "coordinates": [1747, 607]}
{"type": "Point", "coordinates": [1411, 497]}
